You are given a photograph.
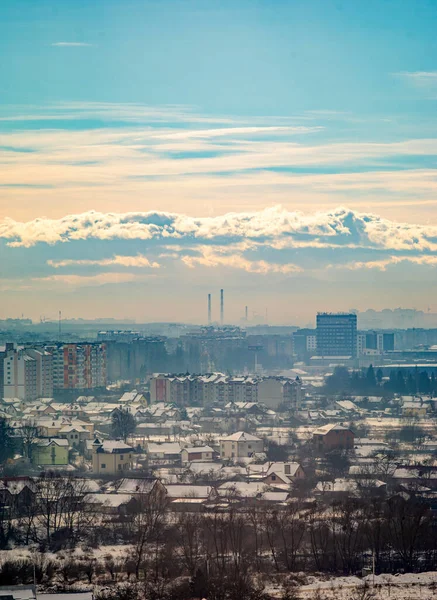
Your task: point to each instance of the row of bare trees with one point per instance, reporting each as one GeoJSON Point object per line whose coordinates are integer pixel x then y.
{"type": "Point", "coordinates": [237, 542]}
{"type": "Point", "coordinates": [53, 511]}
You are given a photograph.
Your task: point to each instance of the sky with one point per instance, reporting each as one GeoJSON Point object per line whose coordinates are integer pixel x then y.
{"type": "Point", "coordinates": [152, 152]}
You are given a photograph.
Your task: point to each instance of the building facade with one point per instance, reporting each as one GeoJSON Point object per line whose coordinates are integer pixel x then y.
{"type": "Point", "coordinates": [240, 445]}
{"type": "Point", "coordinates": [336, 334]}
{"type": "Point", "coordinates": [78, 366]}
{"type": "Point", "coordinates": [27, 373]}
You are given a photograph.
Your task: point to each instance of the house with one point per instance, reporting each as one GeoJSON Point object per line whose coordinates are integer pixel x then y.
{"type": "Point", "coordinates": [283, 473]}
{"type": "Point", "coordinates": [50, 451]}
{"type": "Point", "coordinates": [165, 452]}
{"type": "Point", "coordinates": [333, 437]}
{"type": "Point", "coordinates": [133, 398]}
{"type": "Point", "coordinates": [141, 486]}
{"type": "Point", "coordinates": [188, 497]}
{"type": "Point", "coordinates": [17, 491]}
{"type": "Point", "coordinates": [113, 504]}
{"type": "Point", "coordinates": [75, 435]}
{"type": "Point", "coordinates": [343, 488]}
{"type": "Point", "coordinates": [239, 491]}
{"type": "Point", "coordinates": [197, 453]}
{"type": "Point", "coordinates": [111, 457]}
{"type": "Point", "coordinates": [18, 592]}
{"type": "Point", "coordinates": [240, 445]}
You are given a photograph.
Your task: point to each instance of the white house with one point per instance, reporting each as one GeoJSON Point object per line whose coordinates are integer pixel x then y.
{"type": "Point", "coordinates": [240, 445]}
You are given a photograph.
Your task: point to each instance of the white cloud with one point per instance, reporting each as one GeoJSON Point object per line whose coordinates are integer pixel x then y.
{"type": "Point", "coordinates": [419, 78]}
{"type": "Point", "coordinates": [229, 257]}
{"type": "Point", "coordinates": [381, 265]}
{"type": "Point", "coordinates": [71, 44]}
{"type": "Point", "coordinates": [268, 241]}
{"type": "Point", "coordinates": [139, 261]}
{"type": "Point", "coordinates": [335, 228]}
{"type": "Point", "coordinates": [88, 280]}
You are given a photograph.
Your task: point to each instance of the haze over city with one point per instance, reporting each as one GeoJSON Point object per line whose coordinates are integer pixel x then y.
{"type": "Point", "coordinates": [154, 152]}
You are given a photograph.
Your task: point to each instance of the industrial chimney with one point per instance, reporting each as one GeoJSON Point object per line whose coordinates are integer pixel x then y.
{"type": "Point", "coordinates": [221, 308]}
{"type": "Point", "coordinates": [209, 309]}
{"type": "Point", "coordinates": [246, 314]}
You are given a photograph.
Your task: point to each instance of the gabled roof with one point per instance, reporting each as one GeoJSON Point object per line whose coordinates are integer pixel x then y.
{"type": "Point", "coordinates": [136, 486]}
{"type": "Point", "coordinates": [328, 428]}
{"type": "Point", "coordinates": [241, 436]}
{"type": "Point", "coordinates": [52, 441]}
{"type": "Point", "coordinates": [195, 449]}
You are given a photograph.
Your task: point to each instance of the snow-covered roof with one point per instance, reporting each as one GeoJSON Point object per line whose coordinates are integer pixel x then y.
{"type": "Point", "coordinates": [241, 436]}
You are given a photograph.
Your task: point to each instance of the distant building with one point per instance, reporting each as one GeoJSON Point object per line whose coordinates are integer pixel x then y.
{"type": "Point", "coordinates": [78, 366]}
{"type": "Point", "coordinates": [375, 342]}
{"type": "Point", "coordinates": [240, 445]}
{"type": "Point", "coordinates": [333, 437]}
{"type": "Point", "coordinates": [305, 343]}
{"type": "Point", "coordinates": [336, 334]}
{"type": "Point", "coordinates": [217, 388]}
{"type": "Point", "coordinates": [111, 457]}
{"type": "Point", "coordinates": [27, 373]}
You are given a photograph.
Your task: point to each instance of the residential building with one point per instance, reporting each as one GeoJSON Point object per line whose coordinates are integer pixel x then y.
{"type": "Point", "coordinates": [111, 457]}
{"type": "Point", "coordinates": [51, 451]}
{"type": "Point", "coordinates": [197, 454]}
{"type": "Point", "coordinates": [333, 437]}
{"type": "Point", "coordinates": [78, 366]}
{"type": "Point", "coordinates": [27, 373]}
{"type": "Point", "coordinates": [240, 445]}
{"type": "Point", "coordinates": [336, 334]}
{"type": "Point", "coordinates": [217, 388]}
{"type": "Point", "coordinates": [305, 343]}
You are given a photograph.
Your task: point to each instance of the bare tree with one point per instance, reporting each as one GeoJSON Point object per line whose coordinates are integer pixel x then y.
{"type": "Point", "coordinates": [148, 522]}
{"type": "Point", "coordinates": [29, 433]}
{"type": "Point", "coordinates": [123, 423]}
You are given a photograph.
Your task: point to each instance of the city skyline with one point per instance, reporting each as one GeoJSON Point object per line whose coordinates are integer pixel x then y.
{"type": "Point", "coordinates": [153, 153]}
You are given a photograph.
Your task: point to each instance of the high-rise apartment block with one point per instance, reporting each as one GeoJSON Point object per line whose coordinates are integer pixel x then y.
{"type": "Point", "coordinates": [220, 389]}
{"type": "Point", "coordinates": [78, 366]}
{"type": "Point", "coordinates": [27, 373]}
{"type": "Point", "coordinates": [337, 334]}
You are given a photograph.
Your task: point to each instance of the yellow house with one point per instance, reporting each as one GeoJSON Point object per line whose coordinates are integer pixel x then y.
{"type": "Point", "coordinates": [111, 457]}
{"type": "Point", "coordinates": [50, 452]}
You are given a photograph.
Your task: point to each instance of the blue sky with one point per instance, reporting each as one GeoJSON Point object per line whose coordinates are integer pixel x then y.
{"type": "Point", "coordinates": [181, 112]}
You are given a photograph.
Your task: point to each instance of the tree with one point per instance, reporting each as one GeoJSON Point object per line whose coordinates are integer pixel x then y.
{"type": "Point", "coordinates": [379, 376]}
{"type": "Point", "coordinates": [276, 452]}
{"type": "Point", "coordinates": [370, 377]}
{"type": "Point", "coordinates": [29, 433]}
{"type": "Point", "coordinates": [123, 423]}
{"type": "Point", "coordinates": [7, 444]}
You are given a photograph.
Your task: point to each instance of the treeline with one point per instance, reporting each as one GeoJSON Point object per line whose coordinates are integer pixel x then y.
{"type": "Point", "coordinates": [221, 555]}
{"type": "Point", "coordinates": [372, 382]}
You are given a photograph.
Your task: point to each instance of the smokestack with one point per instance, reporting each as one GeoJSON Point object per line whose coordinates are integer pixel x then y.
{"type": "Point", "coordinates": [209, 309]}
{"type": "Point", "coordinates": [221, 307]}
{"type": "Point", "coordinates": [245, 314]}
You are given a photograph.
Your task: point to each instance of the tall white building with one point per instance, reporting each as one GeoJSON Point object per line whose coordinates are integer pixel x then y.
{"type": "Point", "coordinates": [27, 373]}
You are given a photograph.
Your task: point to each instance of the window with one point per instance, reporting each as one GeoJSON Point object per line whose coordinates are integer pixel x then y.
{"type": "Point", "coordinates": [119, 467]}
{"type": "Point", "coordinates": [273, 477]}
{"type": "Point", "coordinates": [103, 466]}
{"type": "Point", "coordinates": [121, 456]}
{"type": "Point", "coordinates": [250, 447]}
